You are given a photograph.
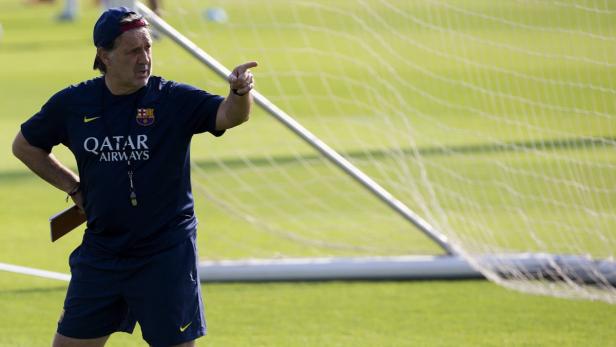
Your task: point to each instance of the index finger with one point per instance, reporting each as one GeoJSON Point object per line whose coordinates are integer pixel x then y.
{"type": "Point", "coordinates": [242, 68]}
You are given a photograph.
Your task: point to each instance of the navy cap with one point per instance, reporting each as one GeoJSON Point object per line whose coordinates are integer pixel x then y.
{"type": "Point", "coordinates": [109, 26]}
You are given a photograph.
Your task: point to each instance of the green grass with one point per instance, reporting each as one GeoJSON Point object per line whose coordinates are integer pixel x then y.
{"type": "Point", "coordinates": [40, 56]}
{"type": "Point", "coordinates": [461, 313]}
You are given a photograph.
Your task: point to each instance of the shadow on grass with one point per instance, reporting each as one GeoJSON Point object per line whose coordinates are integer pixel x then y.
{"type": "Point", "coordinates": [33, 290]}
{"type": "Point", "coordinates": [433, 151]}
{"type": "Point", "coordinates": [501, 147]}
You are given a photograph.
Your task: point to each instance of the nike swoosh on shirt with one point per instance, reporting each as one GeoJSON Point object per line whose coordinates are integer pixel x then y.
{"type": "Point", "coordinates": [88, 120]}
{"type": "Point", "coordinates": [182, 329]}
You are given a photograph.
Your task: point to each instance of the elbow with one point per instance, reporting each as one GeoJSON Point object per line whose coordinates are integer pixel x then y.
{"type": "Point", "coordinates": [20, 146]}
{"type": "Point", "coordinates": [17, 147]}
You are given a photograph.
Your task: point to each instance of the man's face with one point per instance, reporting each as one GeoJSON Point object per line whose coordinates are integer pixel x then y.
{"type": "Point", "coordinates": [129, 64]}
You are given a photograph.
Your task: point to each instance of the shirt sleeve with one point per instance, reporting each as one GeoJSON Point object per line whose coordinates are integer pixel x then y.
{"type": "Point", "coordinates": [198, 109]}
{"type": "Point", "coordinates": [46, 128]}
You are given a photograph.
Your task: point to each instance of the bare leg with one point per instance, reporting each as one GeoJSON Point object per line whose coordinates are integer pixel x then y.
{"type": "Point", "coordinates": [63, 341]}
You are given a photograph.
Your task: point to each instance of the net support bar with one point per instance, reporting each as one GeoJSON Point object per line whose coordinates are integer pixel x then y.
{"type": "Point", "coordinates": [534, 266]}
{"type": "Point", "coordinates": [338, 269]}
{"type": "Point", "coordinates": [302, 132]}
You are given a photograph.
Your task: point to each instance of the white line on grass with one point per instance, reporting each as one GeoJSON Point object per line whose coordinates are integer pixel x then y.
{"type": "Point", "coordinates": [35, 272]}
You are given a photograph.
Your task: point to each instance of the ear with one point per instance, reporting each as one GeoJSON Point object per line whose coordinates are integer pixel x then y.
{"type": "Point", "coordinates": [104, 56]}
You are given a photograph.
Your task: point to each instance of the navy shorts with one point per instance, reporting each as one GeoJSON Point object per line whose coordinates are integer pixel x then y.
{"type": "Point", "coordinates": [162, 292]}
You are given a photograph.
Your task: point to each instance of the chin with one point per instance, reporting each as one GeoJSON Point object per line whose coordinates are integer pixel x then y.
{"type": "Point", "coordinates": [142, 81]}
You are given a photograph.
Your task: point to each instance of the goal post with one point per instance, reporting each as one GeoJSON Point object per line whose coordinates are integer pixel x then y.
{"type": "Point", "coordinates": [491, 123]}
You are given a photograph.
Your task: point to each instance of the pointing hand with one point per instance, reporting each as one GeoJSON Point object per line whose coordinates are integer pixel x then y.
{"type": "Point", "coordinates": [241, 80]}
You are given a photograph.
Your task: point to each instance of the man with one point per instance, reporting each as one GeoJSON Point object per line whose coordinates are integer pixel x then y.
{"type": "Point", "coordinates": [130, 133]}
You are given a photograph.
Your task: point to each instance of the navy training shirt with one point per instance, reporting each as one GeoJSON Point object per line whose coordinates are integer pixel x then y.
{"type": "Point", "coordinates": [152, 128]}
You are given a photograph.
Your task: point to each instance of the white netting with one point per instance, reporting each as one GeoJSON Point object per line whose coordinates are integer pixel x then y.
{"type": "Point", "coordinates": [493, 120]}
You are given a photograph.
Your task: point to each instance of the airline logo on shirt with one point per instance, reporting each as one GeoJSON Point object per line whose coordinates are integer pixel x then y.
{"type": "Point", "coordinates": [145, 116]}
{"type": "Point", "coordinates": [118, 148]}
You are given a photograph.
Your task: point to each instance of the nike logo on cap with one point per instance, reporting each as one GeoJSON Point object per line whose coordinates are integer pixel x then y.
{"type": "Point", "coordinates": [182, 329]}
{"type": "Point", "coordinates": [88, 120]}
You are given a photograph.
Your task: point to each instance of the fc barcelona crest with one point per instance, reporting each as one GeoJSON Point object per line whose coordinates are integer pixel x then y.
{"type": "Point", "coordinates": [145, 116]}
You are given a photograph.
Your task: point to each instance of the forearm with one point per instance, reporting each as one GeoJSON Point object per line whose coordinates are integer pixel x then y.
{"type": "Point", "coordinates": [234, 110]}
{"type": "Point", "coordinates": [44, 164]}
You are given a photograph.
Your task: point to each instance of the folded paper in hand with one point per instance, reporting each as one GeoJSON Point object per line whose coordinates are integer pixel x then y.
{"type": "Point", "coordinates": [64, 221]}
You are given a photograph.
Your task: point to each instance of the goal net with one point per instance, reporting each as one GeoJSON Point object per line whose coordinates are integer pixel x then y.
{"type": "Point", "coordinates": [494, 121]}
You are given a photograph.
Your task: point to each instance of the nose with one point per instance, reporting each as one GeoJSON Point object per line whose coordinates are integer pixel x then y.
{"type": "Point", "coordinates": [144, 57]}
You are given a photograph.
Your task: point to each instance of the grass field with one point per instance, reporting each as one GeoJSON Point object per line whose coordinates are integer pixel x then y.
{"type": "Point", "coordinates": [39, 56]}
